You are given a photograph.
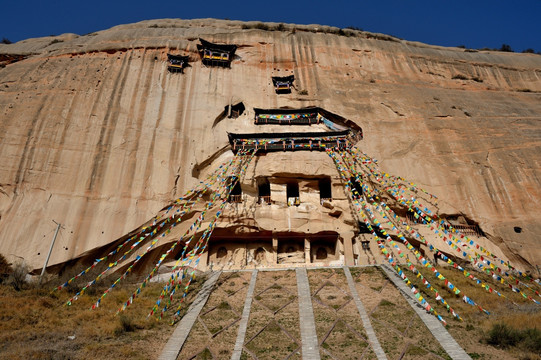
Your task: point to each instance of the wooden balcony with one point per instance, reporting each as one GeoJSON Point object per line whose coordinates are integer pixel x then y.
{"type": "Point", "coordinates": [264, 200]}
{"type": "Point", "coordinates": [235, 198]}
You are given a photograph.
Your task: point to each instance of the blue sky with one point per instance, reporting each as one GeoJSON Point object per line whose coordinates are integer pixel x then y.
{"type": "Point", "coordinates": [473, 23]}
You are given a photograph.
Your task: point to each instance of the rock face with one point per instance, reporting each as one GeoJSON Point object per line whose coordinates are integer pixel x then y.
{"type": "Point", "coordinates": [96, 134]}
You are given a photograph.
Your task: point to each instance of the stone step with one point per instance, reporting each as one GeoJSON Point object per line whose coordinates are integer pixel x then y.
{"type": "Point", "coordinates": [179, 336]}
{"type": "Point", "coordinates": [237, 352]}
{"type": "Point", "coordinates": [364, 317]}
{"type": "Point", "coordinates": [310, 345]}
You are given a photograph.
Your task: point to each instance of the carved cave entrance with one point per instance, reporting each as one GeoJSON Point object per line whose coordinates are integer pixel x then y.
{"type": "Point", "coordinates": [268, 250]}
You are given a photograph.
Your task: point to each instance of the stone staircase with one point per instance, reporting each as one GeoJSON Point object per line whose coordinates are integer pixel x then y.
{"type": "Point", "coordinates": [309, 313]}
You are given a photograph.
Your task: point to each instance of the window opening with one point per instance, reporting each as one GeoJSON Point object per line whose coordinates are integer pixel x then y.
{"type": "Point", "coordinates": [234, 111]}
{"type": "Point", "coordinates": [259, 255]}
{"type": "Point", "coordinates": [236, 193]}
{"type": "Point", "coordinates": [325, 192]}
{"type": "Point", "coordinates": [292, 191]}
{"type": "Point", "coordinates": [356, 188]}
{"type": "Point", "coordinates": [321, 253]}
{"type": "Point", "coordinates": [363, 228]}
{"type": "Point", "coordinates": [264, 191]}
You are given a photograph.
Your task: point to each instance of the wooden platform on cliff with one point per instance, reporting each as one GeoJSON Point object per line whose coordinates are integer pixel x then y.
{"type": "Point", "coordinates": [294, 141]}
{"type": "Point", "coordinates": [177, 63]}
{"type": "Point", "coordinates": [283, 84]}
{"type": "Point", "coordinates": [216, 54]}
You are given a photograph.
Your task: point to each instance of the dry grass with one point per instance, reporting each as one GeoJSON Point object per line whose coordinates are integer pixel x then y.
{"type": "Point", "coordinates": [274, 317]}
{"type": "Point", "coordinates": [215, 331]}
{"type": "Point", "coordinates": [338, 323]}
{"type": "Point", "coordinates": [472, 333]}
{"type": "Point", "coordinates": [35, 324]}
{"type": "Point", "coordinates": [395, 322]}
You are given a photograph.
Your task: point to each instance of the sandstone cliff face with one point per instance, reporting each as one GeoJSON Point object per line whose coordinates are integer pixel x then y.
{"type": "Point", "coordinates": [97, 135]}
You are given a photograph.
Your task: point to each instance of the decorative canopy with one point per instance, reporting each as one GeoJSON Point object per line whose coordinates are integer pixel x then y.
{"type": "Point", "coordinates": [283, 79]}
{"type": "Point", "coordinates": [292, 141]}
{"type": "Point", "coordinates": [177, 63]}
{"type": "Point", "coordinates": [177, 58]}
{"type": "Point", "coordinates": [306, 116]}
{"type": "Point", "coordinates": [282, 84]}
{"type": "Point", "coordinates": [216, 54]}
{"type": "Point", "coordinates": [207, 45]}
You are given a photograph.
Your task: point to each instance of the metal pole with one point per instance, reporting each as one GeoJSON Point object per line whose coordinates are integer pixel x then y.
{"type": "Point", "coordinates": [50, 251]}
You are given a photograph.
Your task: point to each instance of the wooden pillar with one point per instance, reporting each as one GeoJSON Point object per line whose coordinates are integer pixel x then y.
{"type": "Point", "coordinates": [348, 248]}
{"type": "Point", "coordinates": [307, 251]}
{"type": "Point", "coordinates": [275, 248]}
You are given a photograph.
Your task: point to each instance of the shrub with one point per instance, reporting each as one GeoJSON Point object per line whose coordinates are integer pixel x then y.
{"type": "Point", "coordinates": [503, 336]}
{"type": "Point", "coordinates": [531, 340]}
{"type": "Point", "coordinates": [506, 48]}
{"type": "Point", "coordinates": [303, 92]}
{"type": "Point", "coordinates": [528, 51]}
{"type": "Point", "coordinates": [280, 27]}
{"type": "Point", "coordinates": [224, 305]}
{"type": "Point", "coordinates": [386, 303]}
{"type": "Point", "coordinates": [6, 41]}
{"type": "Point", "coordinates": [205, 355]}
{"type": "Point", "coordinates": [125, 324]}
{"type": "Point", "coordinates": [459, 77]}
{"type": "Point", "coordinates": [261, 26]}
{"type": "Point", "coordinates": [17, 278]}
{"type": "Point", "coordinates": [5, 269]}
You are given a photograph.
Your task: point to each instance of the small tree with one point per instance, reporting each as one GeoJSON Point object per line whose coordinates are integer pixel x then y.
{"type": "Point", "coordinates": [506, 48]}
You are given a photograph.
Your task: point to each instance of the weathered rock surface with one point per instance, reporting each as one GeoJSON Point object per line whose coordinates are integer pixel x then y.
{"type": "Point", "coordinates": [97, 135]}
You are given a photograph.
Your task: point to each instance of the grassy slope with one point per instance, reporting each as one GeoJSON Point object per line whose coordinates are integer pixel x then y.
{"type": "Point", "coordinates": [35, 324]}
